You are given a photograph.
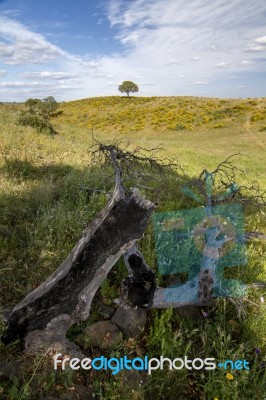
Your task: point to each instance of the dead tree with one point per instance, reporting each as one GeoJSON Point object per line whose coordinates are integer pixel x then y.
{"type": "Point", "coordinates": [45, 314]}
{"type": "Point", "coordinates": [43, 317]}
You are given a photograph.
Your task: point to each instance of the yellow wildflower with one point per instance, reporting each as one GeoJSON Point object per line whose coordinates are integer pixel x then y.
{"type": "Point", "coordinates": [229, 376]}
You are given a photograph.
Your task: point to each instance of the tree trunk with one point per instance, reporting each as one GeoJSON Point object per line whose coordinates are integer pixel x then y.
{"type": "Point", "coordinates": [65, 298]}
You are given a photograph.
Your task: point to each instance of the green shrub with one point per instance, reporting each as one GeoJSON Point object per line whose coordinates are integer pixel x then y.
{"type": "Point", "coordinates": [36, 122]}
{"type": "Point", "coordinates": [256, 117]}
{"type": "Point", "coordinates": [38, 113]}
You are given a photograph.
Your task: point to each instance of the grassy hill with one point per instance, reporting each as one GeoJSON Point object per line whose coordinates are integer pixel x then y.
{"type": "Point", "coordinates": [211, 128]}
{"type": "Point", "coordinates": [45, 205]}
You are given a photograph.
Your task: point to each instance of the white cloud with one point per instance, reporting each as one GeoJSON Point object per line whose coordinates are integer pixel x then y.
{"type": "Point", "coordinates": [17, 84]}
{"type": "Point", "coordinates": [201, 83]}
{"type": "Point", "coordinates": [42, 88]}
{"type": "Point", "coordinates": [2, 72]}
{"type": "Point", "coordinates": [49, 75]}
{"type": "Point", "coordinates": [246, 62]}
{"type": "Point", "coordinates": [93, 64]}
{"type": "Point", "coordinates": [223, 64]}
{"type": "Point", "coordinates": [253, 47]}
{"type": "Point", "coordinates": [261, 40]}
{"type": "Point", "coordinates": [259, 44]}
{"type": "Point", "coordinates": [174, 62]}
{"type": "Point", "coordinates": [101, 75]}
{"type": "Point", "coordinates": [26, 47]}
{"type": "Point", "coordinates": [147, 83]}
{"type": "Point", "coordinates": [159, 34]}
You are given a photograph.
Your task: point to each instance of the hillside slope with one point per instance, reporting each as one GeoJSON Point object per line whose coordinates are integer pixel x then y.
{"type": "Point", "coordinates": [199, 131]}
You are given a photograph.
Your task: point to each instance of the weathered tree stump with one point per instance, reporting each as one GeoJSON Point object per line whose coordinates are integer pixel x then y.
{"type": "Point", "coordinates": [65, 298]}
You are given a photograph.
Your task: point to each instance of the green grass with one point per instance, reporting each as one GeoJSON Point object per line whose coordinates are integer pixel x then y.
{"type": "Point", "coordinates": [45, 205]}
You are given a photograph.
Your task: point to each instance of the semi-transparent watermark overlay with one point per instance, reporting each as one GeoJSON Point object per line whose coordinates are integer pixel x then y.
{"type": "Point", "coordinates": [201, 242]}
{"type": "Point", "coordinates": [145, 364]}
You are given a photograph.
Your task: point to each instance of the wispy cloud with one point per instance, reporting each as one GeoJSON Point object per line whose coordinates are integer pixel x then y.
{"type": "Point", "coordinates": [200, 83]}
{"type": "Point", "coordinates": [259, 44]}
{"type": "Point", "coordinates": [49, 75]}
{"type": "Point", "coordinates": [160, 34]}
{"type": "Point", "coordinates": [223, 64]}
{"type": "Point", "coordinates": [18, 84]}
{"type": "Point", "coordinates": [261, 40]}
{"type": "Point", "coordinates": [204, 43]}
{"type": "Point", "coordinates": [27, 47]}
{"type": "Point", "coordinates": [253, 47]}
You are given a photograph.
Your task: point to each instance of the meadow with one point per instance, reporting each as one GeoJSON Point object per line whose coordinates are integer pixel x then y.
{"type": "Point", "coordinates": [45, 204]}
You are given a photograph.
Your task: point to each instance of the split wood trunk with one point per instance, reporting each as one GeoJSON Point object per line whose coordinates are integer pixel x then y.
{"type": "Point", "coordinates": [65, 298]}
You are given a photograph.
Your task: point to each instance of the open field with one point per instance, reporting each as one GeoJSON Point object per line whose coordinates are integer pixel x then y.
{"type": "Point", "coordinates": [44, 209]}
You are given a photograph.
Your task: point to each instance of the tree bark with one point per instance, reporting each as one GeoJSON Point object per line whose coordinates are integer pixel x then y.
{"type": "Point", "coordinates": [65, 298]}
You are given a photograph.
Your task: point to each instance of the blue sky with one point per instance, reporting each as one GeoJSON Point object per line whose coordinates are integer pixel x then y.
{"type": "Point", "coordinates": [78, 49]}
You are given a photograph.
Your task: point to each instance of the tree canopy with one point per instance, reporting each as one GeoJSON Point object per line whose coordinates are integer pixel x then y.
{"type": "Point", "coordinates": [128, 87]}
{"type": "Point", "coordinates": [37, 114]}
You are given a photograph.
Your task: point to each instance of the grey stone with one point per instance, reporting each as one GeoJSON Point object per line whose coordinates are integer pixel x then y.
{"type": "Point", "coordinates": [131, 321]}
{"type": "Point", "coordinates": [67, 396]}
{"type": "Point", "coordinates": [105, 311]}
{"type": "Point", "coordinates": [104, 334]}
{"type": "Point", "coordinates": [78, 392]}
{"type": "Point", "coordinates": [12, 368]}
{"type": "Point", "coordinates": [130, 379]}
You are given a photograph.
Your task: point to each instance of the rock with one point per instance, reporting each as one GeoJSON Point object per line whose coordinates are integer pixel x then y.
{"type": "Point", "coordinates": [67, 396]}
{"type": "Point", "coordinates": [12, 368]}
{"type": "Point", "coordinates": [131, 379]}
{"type": "Point", "coordinates": [104, 334]}
{"type": "Point", "coordinates": [105, 311]}
{"type": "Point", "coordinates": [51, 339]}
{"type": "Point", "coordinates": [131, 321]}
{"type": "Point", "coordinates": [78, 392]}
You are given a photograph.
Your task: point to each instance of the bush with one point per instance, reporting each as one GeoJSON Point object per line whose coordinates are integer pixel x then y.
{"type": "Point", "coordinates": [38, 113]}
{"type": "Point", "coordinates": [37, 122]}
{"type": "Point", "coordinates": [256, 117]}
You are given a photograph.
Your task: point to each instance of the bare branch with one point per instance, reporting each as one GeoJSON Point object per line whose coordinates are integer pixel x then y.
{"type": "Point", "coordinates": [133, 164]}
{"type": "Point", "coordinates": [225, 177]}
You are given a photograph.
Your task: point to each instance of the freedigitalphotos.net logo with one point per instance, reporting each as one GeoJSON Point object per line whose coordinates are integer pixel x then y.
{"type": "Point", "coordinates": [145, 364]}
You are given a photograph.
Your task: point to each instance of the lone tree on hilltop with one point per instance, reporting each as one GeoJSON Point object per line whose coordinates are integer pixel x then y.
{"type": "Point", "coordinates": [127, 87]}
